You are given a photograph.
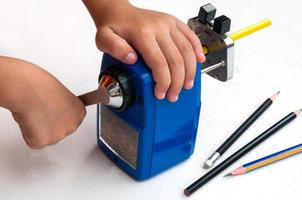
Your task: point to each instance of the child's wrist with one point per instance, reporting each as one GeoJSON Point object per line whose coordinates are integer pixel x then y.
{"type": "Point", "coordinates": [6, 77]}
{"type": "Point", "coordinates": [13, 84]}
{"type": "Point", "coordinates": [99, 8]}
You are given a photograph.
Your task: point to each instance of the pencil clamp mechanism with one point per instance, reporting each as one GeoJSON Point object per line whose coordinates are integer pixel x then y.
{"type": "Point", "coordinates": [218, 45]}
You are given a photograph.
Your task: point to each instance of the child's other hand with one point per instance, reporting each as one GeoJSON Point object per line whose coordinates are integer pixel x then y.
{"type": "Point", "coordinates": [44, 109]}
{"type": "Point", "coordinates": [168, 46]}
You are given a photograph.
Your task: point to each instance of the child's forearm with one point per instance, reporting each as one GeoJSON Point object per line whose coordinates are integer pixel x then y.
{"type": "Point", "coordinates": [11, 82]}
{"type": "Point", "coordinates": [98, 7]}
{"type": "Point", "coordinates": [44, 109]}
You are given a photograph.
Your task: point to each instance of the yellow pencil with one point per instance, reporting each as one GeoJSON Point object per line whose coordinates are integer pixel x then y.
{"type": "Point", "coordinates": [246, 31]}
{"type": "Point", "coordinates": [266, 160]}
{"type": "Point", "coordinates": [250, 29]}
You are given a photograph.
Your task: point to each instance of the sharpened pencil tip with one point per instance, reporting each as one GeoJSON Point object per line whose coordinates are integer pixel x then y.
{"type": "Point", "coordinates": [229, 174]}
{"type": "Point", "coordinates": [274, 97]}
{"type": "Point", "coordinates": [298, 112]}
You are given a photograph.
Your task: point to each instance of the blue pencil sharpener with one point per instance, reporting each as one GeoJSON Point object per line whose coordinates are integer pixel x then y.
{"type": "Point", "coordinates": [148, 135]}
{"type": "Point", "coordinates": [143, 135]}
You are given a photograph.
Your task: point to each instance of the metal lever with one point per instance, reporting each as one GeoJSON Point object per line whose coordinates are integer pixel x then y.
{"type": "Point", "coordinates": [109, 93]}
{"type": "Point", "coordinates": [97, 96]}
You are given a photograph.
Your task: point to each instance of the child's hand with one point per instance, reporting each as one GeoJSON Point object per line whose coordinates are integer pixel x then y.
{"type": "Point", "coordinates": [167, 45]}
{"type": "Point", "coordinates": [44, 109]}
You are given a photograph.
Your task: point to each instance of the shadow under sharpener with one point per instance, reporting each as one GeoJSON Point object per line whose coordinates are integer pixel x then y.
{"type": "Point", "coordinates": [151, 135]}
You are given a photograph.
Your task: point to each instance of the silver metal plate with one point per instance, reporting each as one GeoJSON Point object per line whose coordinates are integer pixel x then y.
{"type": "Point", "coordinates": [121, 139]}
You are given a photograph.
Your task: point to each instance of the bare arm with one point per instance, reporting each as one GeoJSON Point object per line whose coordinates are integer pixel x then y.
{"type": "Point", "coordinates": [44, 109]}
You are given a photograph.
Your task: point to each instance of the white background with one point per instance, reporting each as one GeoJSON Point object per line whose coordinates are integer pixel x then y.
{"type": "Point", "coordinates": [59, 36]}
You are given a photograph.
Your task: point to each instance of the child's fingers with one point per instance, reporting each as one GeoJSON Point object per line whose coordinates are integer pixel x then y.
{"type": "Point", "coordinates": [27, 136]}
{"type": "Point", "coordinates": [111, 43]}
{"type": "Point", "coordinates": [34, 136]}
{"type": "Point", "coordinates": [193, 39]}
{"type": "Point", "coordinates": [176, 65]}
{"type": "Point", "coordinates": [188, 55]}
{"type": "Point", "coordinates": [155, 59]}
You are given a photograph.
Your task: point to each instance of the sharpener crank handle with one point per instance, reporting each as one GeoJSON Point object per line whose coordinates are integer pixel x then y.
{"type": "Point", "coordinates": [97, 96]}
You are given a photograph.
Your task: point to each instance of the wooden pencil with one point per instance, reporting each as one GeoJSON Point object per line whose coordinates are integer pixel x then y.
{"type": "Point", "coordinates": [267, 160]}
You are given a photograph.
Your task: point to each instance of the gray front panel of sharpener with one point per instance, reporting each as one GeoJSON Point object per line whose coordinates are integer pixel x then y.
{"type": "Point", "coordinates": [118, 136]}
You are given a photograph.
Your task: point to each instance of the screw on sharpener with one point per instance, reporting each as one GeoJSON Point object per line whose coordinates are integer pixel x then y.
{"type": "Point", "coordinates": [213, 67]}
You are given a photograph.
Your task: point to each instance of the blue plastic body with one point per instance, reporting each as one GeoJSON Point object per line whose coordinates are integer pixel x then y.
{"type": "Point", "coordinates": [167, 131]}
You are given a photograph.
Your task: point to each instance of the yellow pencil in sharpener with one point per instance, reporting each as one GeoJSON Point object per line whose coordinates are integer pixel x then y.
{"type": "Point", "coordinates": [246, 31]}
{"type": "Point", "coordinates": [250, 29]}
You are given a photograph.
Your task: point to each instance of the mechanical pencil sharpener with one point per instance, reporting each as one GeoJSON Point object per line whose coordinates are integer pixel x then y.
{"type": "Point", "coordinates": [143, 135]}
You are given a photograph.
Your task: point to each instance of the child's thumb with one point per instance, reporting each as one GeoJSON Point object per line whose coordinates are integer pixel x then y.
{"type": "Point", "coordinates": [111, 43]}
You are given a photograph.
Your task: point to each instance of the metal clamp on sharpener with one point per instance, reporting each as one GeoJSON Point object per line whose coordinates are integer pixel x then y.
{"type": "Point", "coordinates": [218, 46]}
{"type": "Point", "coordinates": [145, 136]}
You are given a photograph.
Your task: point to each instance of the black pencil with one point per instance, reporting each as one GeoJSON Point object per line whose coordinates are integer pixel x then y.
{"type": "Point", "coordinates": [241, 152]}
{"type": "Point", "coordinates": [228, 143]}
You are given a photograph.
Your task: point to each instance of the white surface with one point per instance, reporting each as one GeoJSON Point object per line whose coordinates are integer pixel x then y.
{"type": "Point", "coordinates": [59, 35]}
